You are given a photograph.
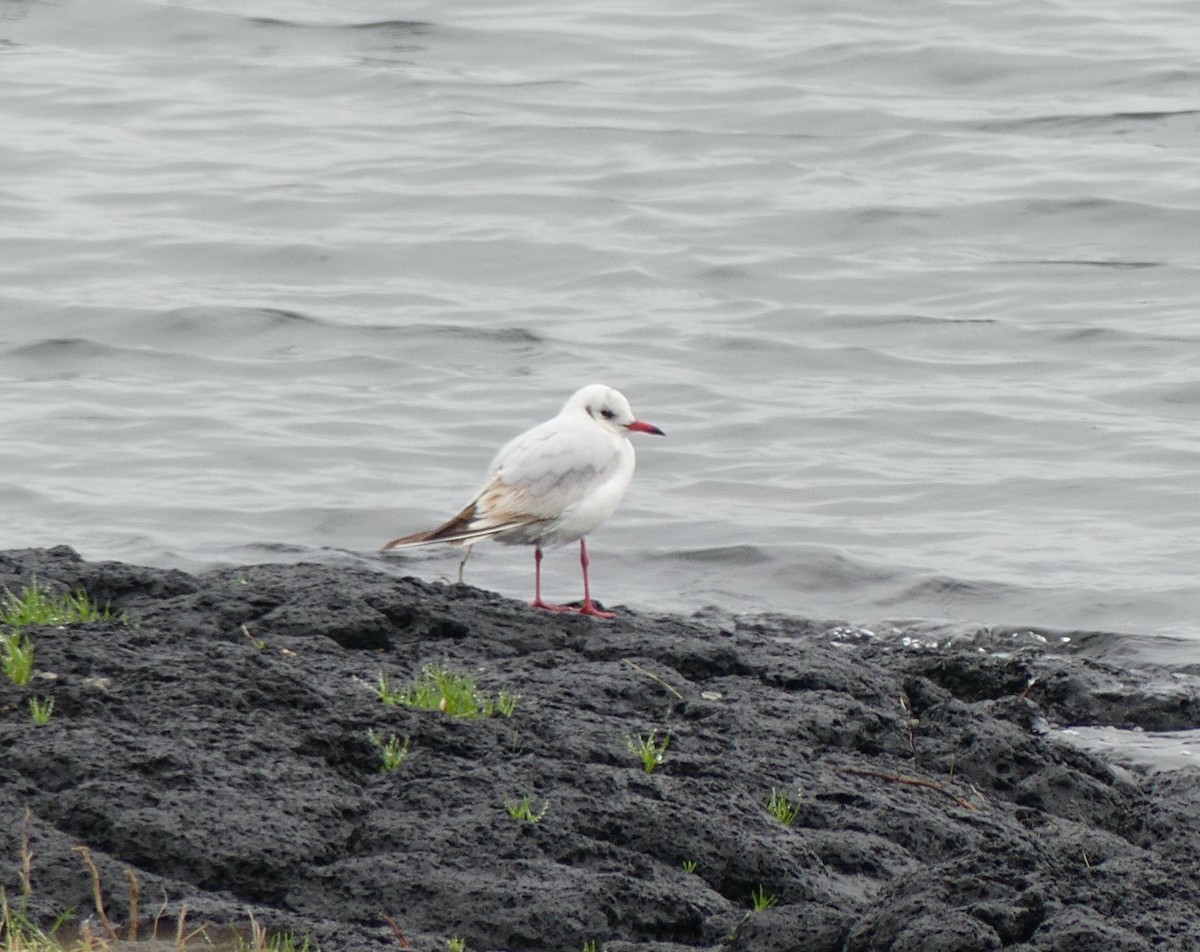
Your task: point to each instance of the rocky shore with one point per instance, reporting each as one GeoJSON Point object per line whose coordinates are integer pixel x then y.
{"type": "Point", "coordinates": [220, 740]}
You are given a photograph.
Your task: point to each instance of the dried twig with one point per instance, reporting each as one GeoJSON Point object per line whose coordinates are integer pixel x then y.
{"type": "Point", "coordinates": [86, 855]}
{"type": "Point", "coordinates": [26, 874]}
{"type": "Point", "coordinates": [913, 782]}
{"type": "Point", "coordinates": [180, 928]}
{"type": "Point", "coordinates": [161, 911]}
{"type": "Point", "coordinates": [651, 674]}
{"type": "Point", "coordinates": [134, 892]}
{"type": "Point", "coordinates": [258, 935]}
{"type": "Point", "coordinates": [400, 936]}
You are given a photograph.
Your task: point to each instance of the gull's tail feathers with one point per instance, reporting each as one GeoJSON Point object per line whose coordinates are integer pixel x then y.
{"type": "Point", "coordinates": [463, 529]}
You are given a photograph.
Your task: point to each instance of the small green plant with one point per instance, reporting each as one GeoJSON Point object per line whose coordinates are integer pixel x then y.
{"type": "Point", "coordinates": [437, 688]}
{"type": "Point", "coordinates": [287, 942]}
{"type": "Point", "coordinates": [391, 751]}
{"type": "Point", "coordinates": [17, 933]}
{"type": "Point", "coordinates": [689, 865]}
{"type": "Point", "coordinates": [457, 943]}
{"type": "Point", "coordinates": [260, 941]}
{"type": "Point", "coordinates": [16, 657]}
{"type": "Point", "coordinates": [523, 809]}
{"type": "Point", "coordinates": [760, 899]}
{"type": "Point", "coordinates": [37, 607]}
{"type": "Point", "coordinates": [40, 709]}
{"type": "Point", "coordinates": [591, 946]}
{"type": "Point", "coordinates": [781, 806]}
{"type": "Point", "coordinates": [649, 750]}
{"type": "Point", "coordinates": [281, 942]}
{"type": "Point", "coordinates": [506, 702]}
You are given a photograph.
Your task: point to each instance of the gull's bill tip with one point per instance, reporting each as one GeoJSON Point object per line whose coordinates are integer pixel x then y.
{"type": "Point", "coordinates": [641, 426]}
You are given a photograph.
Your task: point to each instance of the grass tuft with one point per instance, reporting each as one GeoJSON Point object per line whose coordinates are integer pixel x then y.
{"type": "Point", "coordinates": [760, 899]}
{"type": "Point", "coordinates": [391, 751]}
{"type": "Point", "coordinates": [16, 657]}
{"type": "Point", "coordinates": [261, 941]}
{"type": "Point", "coordinates": [506, 702]}
{"type": "Point", "coordinates": [437, 688]}
{"type": "Point", "coordinates": [650, 751]}
{"type": "Point", "coordinates": [35, 606]}
{"type": "Point", "coordinates": [689, 865]}
{"type": "Point", "coordinates": [278, 942]}
{"type": "Point", "coordinates": [18, 933]}
{"type": "Point", "coordinates": [456, 943]}
{"type": "Point", "coordinates": [40, 709]}
{"type": "Point", "coordinates": [523, 809]}
{"type": "Point", "coordinates": [782, 807]}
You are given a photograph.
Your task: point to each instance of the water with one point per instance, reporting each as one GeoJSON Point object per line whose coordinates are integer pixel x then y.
{"type": "Point", "coordinates": [913, 289]}
{"type": "Point", "coordinates": [1146, 751]}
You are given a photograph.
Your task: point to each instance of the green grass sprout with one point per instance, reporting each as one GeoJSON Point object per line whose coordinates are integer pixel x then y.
{"type": "Point", "coordinates": [16, 657]}
{"type": "Point", "coordinates": [35, 606]}
{"type": "Point", "coordinates": [506, 702]}
{"type": "Point", "coordinates": [782, 807]}
{"type": "Point", "coordinates": [40, 709]}
{"type": "Point", "coordinates": [437, 688]}
{"type": "Point", "coordinates": [391, 751]}
{"type": "Point", "coordinates": [760, 899]}
{"type": "Point", "coordinates": [523, 809]}
{"type": "Point", "coordinates": [650, 751]}
{"type": "Point", "coordinates": [261, 941]}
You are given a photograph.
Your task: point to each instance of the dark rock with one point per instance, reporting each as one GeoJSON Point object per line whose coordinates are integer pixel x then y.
{"type": "Point", "coordinates": [215, 739]}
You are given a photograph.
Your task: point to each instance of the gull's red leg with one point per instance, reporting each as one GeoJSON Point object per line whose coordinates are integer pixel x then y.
{"type": "Point", "coordinates": [588, 607]}
{"type": "Point", "coordinates": [537, 585]}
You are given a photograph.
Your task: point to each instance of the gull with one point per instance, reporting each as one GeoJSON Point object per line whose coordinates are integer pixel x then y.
{"type": "Point", "coordinates": [551, 485]}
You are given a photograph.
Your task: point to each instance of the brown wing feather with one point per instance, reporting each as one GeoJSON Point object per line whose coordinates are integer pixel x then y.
{"type": "Point", "coordinates": [443, 533]}
{"type": "Point", "coordinates": [498, 508]}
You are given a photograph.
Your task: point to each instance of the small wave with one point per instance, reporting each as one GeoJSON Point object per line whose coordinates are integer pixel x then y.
{"type": "Point", "coordinates": [1069, 123]}
{"type": "Point", "coordinates": [415, 27]}
{"type": "Point", "coordinates": [59, 347]}
{"type": "Point", "coordinates": [203, 318]}
{"type": "Point", "coordinates": [722, 555]}
{"type": "Point", "coordinates": [499, 335]}
{"type": "Point", "coordinates": [1088, 263]}
{"type": "Point", "coordinates": [66, 358]}
{"type": "Point", "coordinates": [873, 321]}
{"type": "Point", "coordinates": [945, 590]}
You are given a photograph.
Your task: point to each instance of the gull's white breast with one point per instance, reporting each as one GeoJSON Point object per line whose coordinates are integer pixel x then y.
{"type": "Point", "coordinates": [569, 473]}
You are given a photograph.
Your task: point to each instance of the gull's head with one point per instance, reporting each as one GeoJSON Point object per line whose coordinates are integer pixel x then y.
{"type": "Point", "coordinates": [610, 409]}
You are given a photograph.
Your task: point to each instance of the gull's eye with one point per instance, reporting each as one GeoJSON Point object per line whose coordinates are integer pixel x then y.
{"type": "Point", "coordinates": [607, 413]}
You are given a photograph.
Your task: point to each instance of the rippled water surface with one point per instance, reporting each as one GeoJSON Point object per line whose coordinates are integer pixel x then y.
{"type": "Point", "coordinates": [914, 290]}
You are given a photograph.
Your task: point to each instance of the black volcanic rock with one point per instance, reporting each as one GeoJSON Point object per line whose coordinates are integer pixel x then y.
{"type": "Point", "coordinates": [214, 739]}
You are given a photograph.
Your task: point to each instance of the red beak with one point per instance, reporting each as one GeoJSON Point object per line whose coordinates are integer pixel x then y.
{"type": "Point", "coordinates": [641, 426]}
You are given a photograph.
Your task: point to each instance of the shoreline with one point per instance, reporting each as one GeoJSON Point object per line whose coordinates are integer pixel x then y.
{"type": "Point", "coordinates": [217, 739]}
